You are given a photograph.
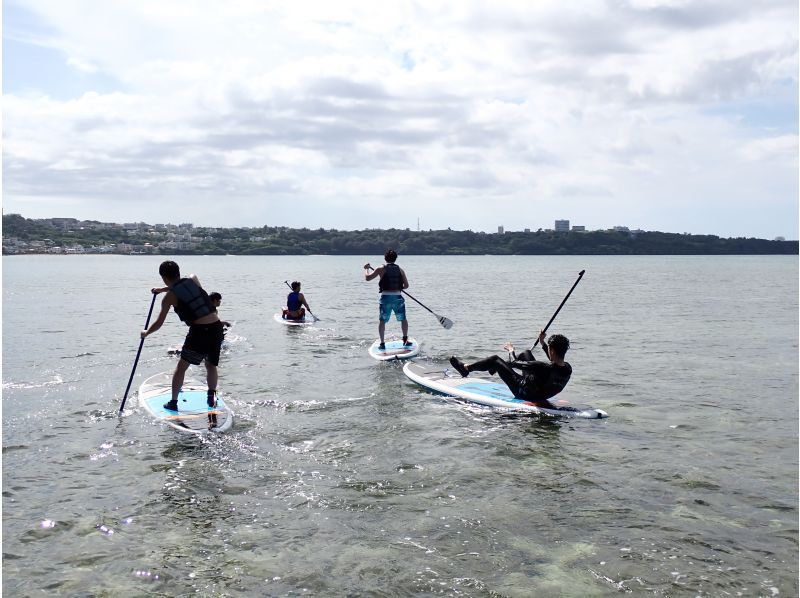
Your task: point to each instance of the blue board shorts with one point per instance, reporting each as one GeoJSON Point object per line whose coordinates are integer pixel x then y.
{"type": "Point", "coordinates": [392, 303]}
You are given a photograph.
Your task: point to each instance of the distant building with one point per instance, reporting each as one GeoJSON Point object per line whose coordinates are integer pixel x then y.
{"type": "Point", "coordinates": [578, 228]}
{"type": "Point", "coordinates": [500, 230]}
{"type": "Point", "coordinates": [622, 229]}
{"type": "Point", "coordinates": [562, 226]}
{"type": "Point", "coordinates": [527, 230]}
{"type": "Point", "coordinates": [780, 238]}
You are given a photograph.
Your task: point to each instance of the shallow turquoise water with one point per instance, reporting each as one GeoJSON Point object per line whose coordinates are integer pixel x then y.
{"type": "Point", "coordinates": [340, 477]}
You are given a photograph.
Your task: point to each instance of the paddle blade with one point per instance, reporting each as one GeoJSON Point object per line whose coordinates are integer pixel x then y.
{"type": "Point", "coordinates": [448, 324]}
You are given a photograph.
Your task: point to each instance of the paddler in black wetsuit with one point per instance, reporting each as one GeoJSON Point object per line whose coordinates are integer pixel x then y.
{"type": "Point", "coordinates": [204, 340]}
{"type": "Point", "coordinates": [538, 380]}
{"type": "Point", "coordinates": [391, 284]}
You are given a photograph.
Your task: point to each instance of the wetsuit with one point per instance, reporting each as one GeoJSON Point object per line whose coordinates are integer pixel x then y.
{"type": "Point", "coordinates": [538, 381]}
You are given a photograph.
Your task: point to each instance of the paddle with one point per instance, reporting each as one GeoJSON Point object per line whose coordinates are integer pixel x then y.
{"type": "Point", "coordinates": [139, 352]}
{"type": "Point", "coordinates": [316, 319]}
{"type": "Point", "coordinates": [446, 322]}
{"type": "Point", "coordinates": [580, 275]}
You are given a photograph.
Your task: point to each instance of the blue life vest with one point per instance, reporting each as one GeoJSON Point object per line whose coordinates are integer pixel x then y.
{"type": "Point", "coordinates": [392, 279]}
{"type": "Point", "coordinates": [193, 302]}
{"type": "Point", "coordinates": [293, 301]}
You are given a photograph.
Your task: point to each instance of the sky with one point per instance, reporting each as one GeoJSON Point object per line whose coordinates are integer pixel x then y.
{"type": "Point", "coordinates": [669, 115]}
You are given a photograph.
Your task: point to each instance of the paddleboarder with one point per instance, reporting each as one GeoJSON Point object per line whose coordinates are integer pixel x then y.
{"type": "Point", "coordinates": [204, 339]}
{"type": "Point", "coordinates": [216, 301]}
{"type": "Point", "coordinates": [391, 285]}
{"type": "Point", "coordinates": [538, 380]}
{"type": "Point", "coordinates": [296, 304]}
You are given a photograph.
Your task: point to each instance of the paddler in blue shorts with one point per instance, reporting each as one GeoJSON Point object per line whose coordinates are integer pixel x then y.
{"type": "Point", "coordinates": [391, 285]}
{"type": "Point", "coordinates": [204, 340]}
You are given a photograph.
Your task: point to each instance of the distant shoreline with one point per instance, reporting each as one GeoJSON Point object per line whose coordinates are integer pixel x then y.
{"type": "Point", "coordinates": [60, 236]}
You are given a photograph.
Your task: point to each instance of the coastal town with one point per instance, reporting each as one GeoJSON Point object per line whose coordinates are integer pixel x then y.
{"type": "Point", "coordinates": [71, 236]}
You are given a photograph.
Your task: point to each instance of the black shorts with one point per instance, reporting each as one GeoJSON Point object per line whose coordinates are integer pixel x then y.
{"type": "Point", "coordinates": [203, 342]}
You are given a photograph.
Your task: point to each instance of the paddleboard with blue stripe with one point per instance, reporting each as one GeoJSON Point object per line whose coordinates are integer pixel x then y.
{"type": "Point", "coordinates": [395, 349]}
{"type": "Point", "coordinates": [488, 390]}
{"type": "Point", "coordinates": [193, 416]}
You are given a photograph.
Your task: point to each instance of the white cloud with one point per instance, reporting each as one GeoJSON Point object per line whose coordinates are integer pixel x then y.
{"type": "Point", "coordinates": [448, 111]}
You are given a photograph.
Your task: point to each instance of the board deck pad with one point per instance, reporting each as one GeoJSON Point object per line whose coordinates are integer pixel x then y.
{"type": "Point", "coordinates": [193, 415]}
{"type": "Point", "coordinates": [304, 322]}
{"type": "Point", "coordinates": [394, 350]}
{"type": "Point", "coordinates": [488, 390]}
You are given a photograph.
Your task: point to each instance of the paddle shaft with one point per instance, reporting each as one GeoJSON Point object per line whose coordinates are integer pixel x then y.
{"type": "Point", "coordinates": [139, 352]}
{"type": "Point", "coordinates": [580, 275]}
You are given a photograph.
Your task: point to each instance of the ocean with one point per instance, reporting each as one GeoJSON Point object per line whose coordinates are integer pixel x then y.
{"type": "Point", "coordinates": [340, 477]}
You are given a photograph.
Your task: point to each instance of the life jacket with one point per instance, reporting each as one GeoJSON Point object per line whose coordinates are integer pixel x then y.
{"type": "Point", "coordinates": [293, 301]}
{"type": "Point", "coordinates": [392, 279]}
{"type": "Point", "coordinates": [193, 302]}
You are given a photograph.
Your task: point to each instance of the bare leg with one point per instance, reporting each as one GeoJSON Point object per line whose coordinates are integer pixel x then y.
{"type": "Point", "coordinates": [381, 329]}
{"type": "Point", "coordinates": [177, 378]}
{"type": "Point", "coordinates": [404, 327]}
{"type": "Point", "coordinates": [212, 375]}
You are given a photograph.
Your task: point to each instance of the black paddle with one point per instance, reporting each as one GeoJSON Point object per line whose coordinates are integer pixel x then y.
{"type": "Point", "coordinates": [446, 322]}
{"type": "Point", "coordinates": [580, 275]}
{"type": "Point", "coordinates": [139, 352]}
{"type": "Point", "coordinates": [316, 319]}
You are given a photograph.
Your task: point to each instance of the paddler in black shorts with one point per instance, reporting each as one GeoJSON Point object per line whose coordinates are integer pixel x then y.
{"type": "Point", "coordinates": [538, 380]}
{"type": "Point", "coordinates": [204, 340]}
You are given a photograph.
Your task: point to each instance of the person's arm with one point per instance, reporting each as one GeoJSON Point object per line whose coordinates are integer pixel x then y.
{"type": "Point", "coordinates": [545, 347]}
{"type": "Point", "coordinates": [405, 280]}
{"type": "Point", "coordinates": [303, 301]}
{"type": "Point", "coordinates": [370, 275]}
{"type": "Point", "coordinates": [166, 303]}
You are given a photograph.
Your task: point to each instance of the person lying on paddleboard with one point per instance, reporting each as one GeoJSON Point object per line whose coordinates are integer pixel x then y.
{"type": "Point", "coordinates": [391, 284]}
{"type": "Point", "coordinates": [216, 301]}
{"type": "Point", "coordinates": [538, 380]}
{"type": "Point", "coordinates": [204, 339]}
{"type": "Point", "coordinates": [296, 304]}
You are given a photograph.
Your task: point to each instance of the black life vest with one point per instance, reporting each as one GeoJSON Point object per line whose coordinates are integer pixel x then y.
{"type": "Point", "coordinates": [193, 302]}
{"type": "Point", "coordinates": [392, 279]}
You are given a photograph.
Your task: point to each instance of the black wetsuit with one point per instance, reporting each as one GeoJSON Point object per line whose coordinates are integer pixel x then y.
{"type": "Point", "coordinates": [538, 381]}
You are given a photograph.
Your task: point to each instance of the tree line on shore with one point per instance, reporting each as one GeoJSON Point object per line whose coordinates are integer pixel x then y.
{"type": "Point", "coordinates": [268, 240]}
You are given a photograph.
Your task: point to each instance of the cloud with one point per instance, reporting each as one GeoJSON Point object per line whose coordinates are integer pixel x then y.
{"type": "Point", "coordinates": [603, 110]}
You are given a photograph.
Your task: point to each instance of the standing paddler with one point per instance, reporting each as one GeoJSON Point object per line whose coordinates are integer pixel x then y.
{"type": "Point", "coordinates": [391, 285]}
{"type": "Point", "coordinates": [204, 339]}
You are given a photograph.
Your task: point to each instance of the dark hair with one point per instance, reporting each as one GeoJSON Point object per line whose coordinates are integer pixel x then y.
{"type": "Point", "coordinates": [295, 286]}
{"type": "Point", "coordinates": [558, 343]}
{"type": "Point", "coordinates": [390, 255]}
{"type": "Point", "coordinates": [170, 270]}
{"type": "Point", "coordinates": [215, 297]}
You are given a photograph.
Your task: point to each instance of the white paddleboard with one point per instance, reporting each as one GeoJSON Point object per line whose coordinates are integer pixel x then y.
{"type": "Point", "coordinates": [395, 349]}
{"type": "Point", "coordinates": [193, 416]}
{"type": "Point", "coordinates": [491, 391]}
{"type": "Point", "coordinates": [304, 322]}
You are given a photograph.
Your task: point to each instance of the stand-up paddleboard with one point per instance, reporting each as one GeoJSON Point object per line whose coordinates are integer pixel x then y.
{"type": "Point", "coordinates": [395, 349]}
{"type": "Point", "coordinates": [304, 322]}
{"type": "Point", "coordinates": [484, 389]}
{"type": "Point", "coordinates": [193, 415]}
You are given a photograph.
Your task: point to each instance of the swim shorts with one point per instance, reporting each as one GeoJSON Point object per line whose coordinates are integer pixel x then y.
{"type": "Point", "coordinates": [392, 303]}
{"type": "Point", "coordinates": [203, 342]}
